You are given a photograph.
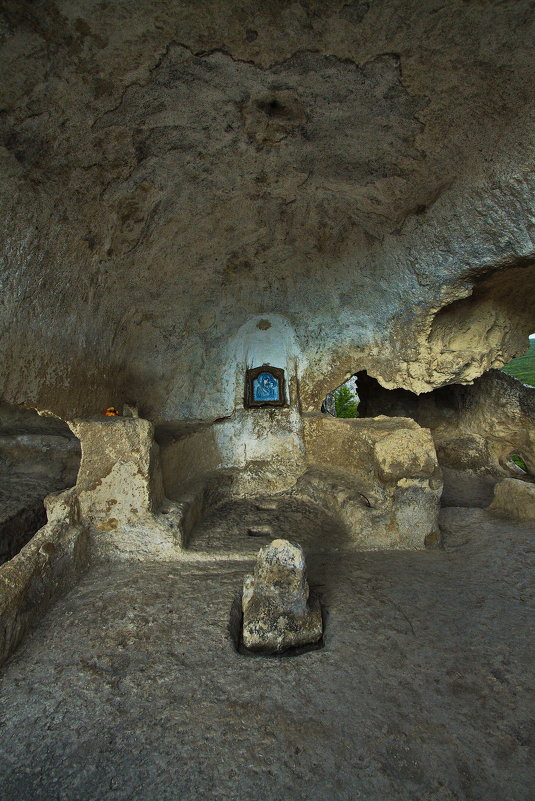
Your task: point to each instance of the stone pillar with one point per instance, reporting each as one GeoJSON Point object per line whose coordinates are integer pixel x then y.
{"type": "Point", "coordinates": [119, 481]}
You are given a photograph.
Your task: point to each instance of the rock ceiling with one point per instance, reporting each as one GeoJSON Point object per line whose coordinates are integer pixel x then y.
{"type": "Point", "coordinates": [170, 169]}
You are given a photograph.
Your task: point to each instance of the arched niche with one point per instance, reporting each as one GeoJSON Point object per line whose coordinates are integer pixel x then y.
{"type": "Point", "coordinates": [264, 340]}
{"type": "Point", "coordinates": [268, 436]}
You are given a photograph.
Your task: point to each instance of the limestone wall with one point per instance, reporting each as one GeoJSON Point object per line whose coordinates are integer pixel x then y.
{"type": "Point", "coordinates": [474, 427]}
{"type": "Point", "coordinates": [38, 455]}
{"type": "Point", "coordinates": [476, 430]}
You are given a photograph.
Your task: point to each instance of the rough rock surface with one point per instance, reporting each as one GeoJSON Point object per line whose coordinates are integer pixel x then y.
{"type": "Point", "coordinates": [119, 480]}
{"type": "Point", "coordinates": [379, 476]}
{"type": "Point", "coordinates": [476, 429]}
{"type": "Point", "coordinates": [377, 481]}
{"type": "Point", "coordinates": [515, 499]}
{"type": "Point", "coordinates": [170, 170]}
{"type": "Point", "coordinates": [131, 688]}
{"type": "Point", "coordinates": [46, 568]}
{"type": "Point", "coordinates": [221, 530]}
{"type": "Point", "coordinates": [119, 492]}
{"type": "Point", "coordinates": [37, 456]}
{"type": "Point", "coordinates": [277, 611]}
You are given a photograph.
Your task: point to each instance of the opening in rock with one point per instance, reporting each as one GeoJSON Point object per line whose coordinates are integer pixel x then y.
{"type": "Point", "coordinates": [518, 464]}
{"type": "Point", "coordinates": [38, 455]}
{"type": "Point", "coordinates": [488, 326]}
{"type": "Point", "coordinates": [523, 367]}
{"type": "Point", "coordinates": [260, 531]}
{"type": "Point", "coordinates": [343, 401]}
{"type": "Point", "coordinates": [272, 108]}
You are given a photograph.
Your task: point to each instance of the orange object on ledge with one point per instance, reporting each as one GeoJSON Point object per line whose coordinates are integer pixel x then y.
{"type": "Point", "coordinates": [111, 411]}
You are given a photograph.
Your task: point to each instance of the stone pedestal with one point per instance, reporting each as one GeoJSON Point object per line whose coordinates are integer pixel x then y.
{"type": "Point", "coordinates": [119, 480]}
{"type": "Point", "coordinates": [277, 612]}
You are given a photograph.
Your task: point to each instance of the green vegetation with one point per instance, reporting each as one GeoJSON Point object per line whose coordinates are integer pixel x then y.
{"type": "Point", "coordinates": [345, 403]}
{"type": "Point", "coordinates": [519, 462]}
{"type": "Point", "coordinates": [523, 367]}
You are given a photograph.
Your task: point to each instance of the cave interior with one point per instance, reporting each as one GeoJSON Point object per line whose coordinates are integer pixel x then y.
{"type": "Point", "coordinates": [213, 215]}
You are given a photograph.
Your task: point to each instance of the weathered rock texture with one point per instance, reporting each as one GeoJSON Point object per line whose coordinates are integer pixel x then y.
{"type": "Point", "coordinates": [475, 428]}
{"type": "Point", "coordinates": [379, 476]}
{"type": "Point", "coordinates": [119, 492]}
{"type": "Point", "coordinates": [362, 170]}
{"type": "Point", "coordinates": [119, 481]}
{"type": "Point", "coordinates": [192, 189]}
{"type": "Point", "coordinates": [189, 191]}
{"type": "Point", "coordinates": [47, 567]}
{"type": "Point", "coordinates": [130, 688]}
{"type": "Point", "coordinates": [514, 498]}
{"type": "Point", "coordinates": [39, 560]}
{"type": "Point", "coordinates": [277, 613]}
{"type": "Point", "coordinates": [37, 456]}
{"type": "Point", "coordinates": [266, 447]}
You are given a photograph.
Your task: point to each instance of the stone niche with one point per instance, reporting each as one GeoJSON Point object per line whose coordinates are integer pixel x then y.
{"type": "Point", "coordinates": [263, 445]}
{"type": "Point", "coordinates": [379, 477]}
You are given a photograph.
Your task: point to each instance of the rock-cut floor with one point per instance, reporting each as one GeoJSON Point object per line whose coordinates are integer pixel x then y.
{"type": "Point", "coordinates": [131, 688]}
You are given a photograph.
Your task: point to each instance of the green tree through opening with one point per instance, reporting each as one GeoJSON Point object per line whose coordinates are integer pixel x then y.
{"type": "Point", "coordinates": [345, 403]}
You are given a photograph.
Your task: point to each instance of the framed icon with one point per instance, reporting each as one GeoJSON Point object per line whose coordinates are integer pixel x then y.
{"type": "Point", "coordinates": [265, 386]}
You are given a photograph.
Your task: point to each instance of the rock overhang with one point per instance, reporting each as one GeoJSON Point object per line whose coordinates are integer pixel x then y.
{"type": "Point", "coordinates": [168, 176]}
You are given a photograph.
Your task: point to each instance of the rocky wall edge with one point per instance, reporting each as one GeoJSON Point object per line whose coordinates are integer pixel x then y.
{"type": "Point", "coordinates": [44, 570]}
